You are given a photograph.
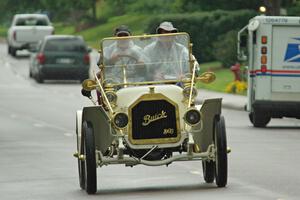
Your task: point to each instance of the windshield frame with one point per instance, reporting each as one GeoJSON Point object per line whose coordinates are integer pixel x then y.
{"type": "Point", "coordinates": [190, 60]}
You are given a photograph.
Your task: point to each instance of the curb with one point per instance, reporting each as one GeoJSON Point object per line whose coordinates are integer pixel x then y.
{"type": "Point", "coordinates": [229, 101]}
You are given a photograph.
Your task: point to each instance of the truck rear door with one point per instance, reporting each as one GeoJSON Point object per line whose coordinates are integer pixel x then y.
{"type": "Point", "coordinates": [32, 34]}
{"type": "Point", "coordinates": [285, 62]}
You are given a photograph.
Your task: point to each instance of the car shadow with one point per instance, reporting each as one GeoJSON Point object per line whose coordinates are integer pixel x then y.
{"type": "Point", "coordinates": [152, 189]}
{"type": "Point", "coordinates": [283, 127]}
{"type": "Point", "coordinates": [61, 82]}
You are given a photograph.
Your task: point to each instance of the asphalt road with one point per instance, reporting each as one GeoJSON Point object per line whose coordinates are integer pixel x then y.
{"type": "Point", "coordinates": [37, 140]}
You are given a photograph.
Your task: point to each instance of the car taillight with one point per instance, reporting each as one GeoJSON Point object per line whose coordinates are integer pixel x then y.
{"type": "Point", "coordinates": [86, 59]}
{"type": "Point", "coordinates": [41, 58]}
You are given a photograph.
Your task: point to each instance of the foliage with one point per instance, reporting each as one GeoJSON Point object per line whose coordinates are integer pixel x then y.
{"type": "Point", "coordinates": [3, 31]}
{"type": "Point", "coordinates": [236, 87]}
{"type": "Point", "coordinates": [208, 5]}
{"type": "Point", "coordinates": [223, 77]}
{"type": "Point", "coordinates": [294, 10]}
{"type": "Point", "coordinates": [58, 9]}
{"type": "Point", "coordinates": [226, 48]}
{"type": "Point", "coordinates": [204, 28]}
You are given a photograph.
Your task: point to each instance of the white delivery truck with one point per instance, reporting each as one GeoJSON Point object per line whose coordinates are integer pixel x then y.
{"type": "Point", "coordinates": [271, 46]}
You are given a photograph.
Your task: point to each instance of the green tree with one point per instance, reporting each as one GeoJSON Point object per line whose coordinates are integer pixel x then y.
{"type": "Point", "coordinates": [225, 48]}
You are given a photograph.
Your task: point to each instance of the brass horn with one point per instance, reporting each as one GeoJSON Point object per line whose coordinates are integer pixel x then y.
{"type": "Point", "coordinates": [89, 84]}
{"type": "Point", "coordinates": [206, 77]}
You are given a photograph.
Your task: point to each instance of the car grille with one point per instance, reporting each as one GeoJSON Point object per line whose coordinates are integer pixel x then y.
{"type": "Point", "coordinates": [154, 121]}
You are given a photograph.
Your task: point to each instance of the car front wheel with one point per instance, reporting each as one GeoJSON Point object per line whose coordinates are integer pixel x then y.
{"type": "Point", "coordinates": [220, 143]}
{"type": "Point", "coordinates": [90, 158]}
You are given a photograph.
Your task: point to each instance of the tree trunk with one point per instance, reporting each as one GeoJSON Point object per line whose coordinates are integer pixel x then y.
{"type": "Point", "coordinates": [94, 10]}
{"type": "Point", "coordinates": [273, 7]}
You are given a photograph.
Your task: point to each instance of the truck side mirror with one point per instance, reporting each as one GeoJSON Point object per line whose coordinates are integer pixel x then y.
{"type": "Point", "coordinates": [242, 56]}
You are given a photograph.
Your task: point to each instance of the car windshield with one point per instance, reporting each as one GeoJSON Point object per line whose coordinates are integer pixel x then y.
{"type": "Point", "coordinates": [32, 21]}
{"type": "Point", "coordinates": [146, 58]}
{"type": "Point", "coordinates": [64, 44]}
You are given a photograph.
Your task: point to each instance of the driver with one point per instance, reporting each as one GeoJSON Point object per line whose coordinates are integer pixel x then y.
{"type": "Point", "coordinates": [168, 57]}
{"type": "Point", "coordinates": [123, 53]}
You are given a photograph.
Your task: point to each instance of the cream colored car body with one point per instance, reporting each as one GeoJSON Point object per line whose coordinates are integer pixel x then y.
{"type": "Point", "coordinates": [151, 122]}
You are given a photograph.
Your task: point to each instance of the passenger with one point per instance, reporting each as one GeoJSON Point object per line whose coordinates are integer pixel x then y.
{"type": "Point", "coordinates": [123, 53]}
{"type": "Point", "coordinates": [168, 57]}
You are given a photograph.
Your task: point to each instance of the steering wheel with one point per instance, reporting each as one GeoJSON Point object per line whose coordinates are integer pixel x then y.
{"type": "Point", "coordinates": [125, 60]}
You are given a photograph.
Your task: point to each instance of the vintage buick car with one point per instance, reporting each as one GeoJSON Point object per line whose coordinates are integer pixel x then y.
{"type": "Point", "coordinates": [145, 112]}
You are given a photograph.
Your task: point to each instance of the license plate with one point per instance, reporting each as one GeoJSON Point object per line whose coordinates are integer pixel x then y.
{"type": "Point", "coordinates": [64, 60]}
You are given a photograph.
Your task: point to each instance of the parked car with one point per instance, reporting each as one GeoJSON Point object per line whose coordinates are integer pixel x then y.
{"type": "Point", "coordinates": [26, 30]}
{"type": "Point", "coordinates": [141, 118]}
{"type": "Point", "coordinates": [60, 57]}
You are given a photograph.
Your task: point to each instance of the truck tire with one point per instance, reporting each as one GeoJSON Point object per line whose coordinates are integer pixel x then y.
{"type": "Point", "coordinates": [9, 50]}
{"type": "Point", "coordinates": [259, 120]}
{"type": "Point", "coordinates": [39, 78]}
{"type": "Point", "coordinates": [220, 141]}
{"type": "Point", "coordinates": [90, 158]}
{"type": "Point", "coordinates": [13, 51]}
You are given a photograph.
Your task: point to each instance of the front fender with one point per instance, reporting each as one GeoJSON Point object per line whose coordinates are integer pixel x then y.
{"type": "Point", "coordinates": [203, 136]}
{"type": "Point", "coordinates": [100, 122]}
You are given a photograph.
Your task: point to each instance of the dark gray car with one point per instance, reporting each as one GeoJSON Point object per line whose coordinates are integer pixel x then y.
{"type": "Point", "coordinates": [60, 57]}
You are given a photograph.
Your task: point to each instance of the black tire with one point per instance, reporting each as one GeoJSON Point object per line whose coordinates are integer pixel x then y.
{"type": "Point", "coordinates": [30, 74]}
{"type": "Point", "coordinates": [90, 158]}
{"type": "Point", "coordinates": [39, 78]}
{"type": "Point", "coordinates": [13, 52]}
{"type": "Point", "coordinates": [260, 119]}
{"type": "Point", "coordinates": [9, 50]}
{"type": "Point", "coordinates": [81, 165]}
{"type": "Point", "coordinates": [208, 171]}
{"type": "Point", "coordinates": [221, 165]}
{"type": "Point", "coordinates": [251, 117]}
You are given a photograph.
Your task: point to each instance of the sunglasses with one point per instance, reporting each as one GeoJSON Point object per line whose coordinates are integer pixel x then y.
{"type": "Point", "coordinates": [122, 35]}
{"type": "Point", "coordinates": [162, 31]}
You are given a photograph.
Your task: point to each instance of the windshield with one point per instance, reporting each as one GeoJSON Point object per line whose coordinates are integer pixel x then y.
{"type": "Point", "coordinates": [32, 21]}
{"type": "Point", "coordinates": [146, 58]}
{"type": "Point", "coordinates": [65, 44]}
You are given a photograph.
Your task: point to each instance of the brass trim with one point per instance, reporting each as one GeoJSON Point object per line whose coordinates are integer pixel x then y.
{"type": "Point", "coordinates": [145, 36]}
{"type": "Point", "coordinates": [186, 94]}
{"type": "Point", "coordinates": [89, 84]}
{"type": "Point", "coordinates": [114, 101]}
{"type": "Point", "coordinates": [114, 124]}
{"type": "Point", "coordinates": [102, 66]}
{"type": "Point", "coordinates": [151, 97]}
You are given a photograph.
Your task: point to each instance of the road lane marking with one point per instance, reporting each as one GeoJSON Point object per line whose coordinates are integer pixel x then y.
{"type": "Point", "coordinates": [69, 134]}
{"type": "Point", "coordinates": [195, 172]}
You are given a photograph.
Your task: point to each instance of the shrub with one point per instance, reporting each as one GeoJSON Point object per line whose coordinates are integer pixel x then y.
{"type": "Point", "coordinates": [204, 28]}
{"type": "Point", "coordinates": [225, 48]}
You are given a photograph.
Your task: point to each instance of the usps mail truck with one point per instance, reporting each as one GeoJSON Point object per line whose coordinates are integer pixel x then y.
{"type": "Point", "coordinates": [271, 47]}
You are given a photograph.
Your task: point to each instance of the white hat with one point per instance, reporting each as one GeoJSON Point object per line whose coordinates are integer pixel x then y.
{"type": "Point", "coordinates": [167, 26]}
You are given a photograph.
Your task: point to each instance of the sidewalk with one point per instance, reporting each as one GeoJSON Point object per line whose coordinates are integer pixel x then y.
{"type": "Point", "coordinates": [231, 101]}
